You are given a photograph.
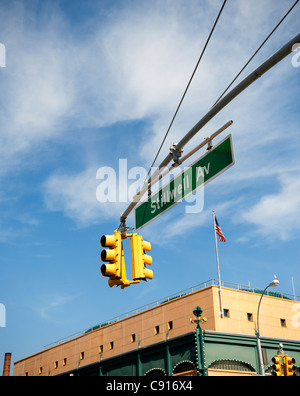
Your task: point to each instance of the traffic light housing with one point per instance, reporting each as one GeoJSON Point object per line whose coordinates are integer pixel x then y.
{"type": "Point", "coordinates": [289, 366]}
{"type": "Point", "coordinates": [139, 259]}
{"type": "Point", "coordinates": [114, 256]}
{"type": "Point", "coordinates": [276, 366]}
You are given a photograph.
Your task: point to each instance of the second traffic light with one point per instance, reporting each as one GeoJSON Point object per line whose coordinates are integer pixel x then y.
{"type": "Point", "coordinates": [139, 259]}
{"type": "Point", "coordinates": [289, 366]}
{"type": "Point", "coordinates": [276, 366]}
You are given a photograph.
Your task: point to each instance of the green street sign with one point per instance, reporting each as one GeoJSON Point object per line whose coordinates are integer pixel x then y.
{"type": "Point", "coordinates": [201, 172]}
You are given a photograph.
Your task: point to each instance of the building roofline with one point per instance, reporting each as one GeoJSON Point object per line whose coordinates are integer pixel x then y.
{"type": "Point", "coordinates": [168, 299]}
{"type": "Point", "coordinates": [163, 301]}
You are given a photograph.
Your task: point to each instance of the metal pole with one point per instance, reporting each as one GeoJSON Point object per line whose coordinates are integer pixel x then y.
{"type": "Point", "coordinates": [139, 363]}
{"type": "Point", "coordinates": [260, 357]}
{"type": "Point", "coordinates": [251, 78]}
{"type": "Point", "coordinates": [218, 265]}
{"type": "Point", "coordinates": [100, 365]}
{"type": "Point", "coordinates": [176, 164]}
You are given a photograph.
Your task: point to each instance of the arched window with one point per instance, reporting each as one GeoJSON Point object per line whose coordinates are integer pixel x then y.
{"type": "Point", "coordinates": [156, 372]}
{"type": "Point", "coordinates": [234, 365]}
{"type": "Point", "coordinates": [184, 366]}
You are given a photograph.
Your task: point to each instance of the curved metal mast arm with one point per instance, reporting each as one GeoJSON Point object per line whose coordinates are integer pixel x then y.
{"type": "Point", "coordinates": [251, 78]}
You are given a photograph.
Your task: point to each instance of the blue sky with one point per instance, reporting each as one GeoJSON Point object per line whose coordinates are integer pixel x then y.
{"type": "Point", "coordinates": [87, 83]}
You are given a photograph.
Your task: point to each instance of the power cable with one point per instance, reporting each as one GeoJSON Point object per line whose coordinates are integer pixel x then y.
{"type": "Point", "coordinates": [188, 85]}
{"type": "Point", "coordinates": [255, 53]}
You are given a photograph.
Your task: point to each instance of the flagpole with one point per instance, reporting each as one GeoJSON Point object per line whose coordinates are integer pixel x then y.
{"type": "Point", "coordinates": [218, 265]}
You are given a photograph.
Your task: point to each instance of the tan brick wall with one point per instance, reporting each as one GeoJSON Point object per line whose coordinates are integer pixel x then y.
{"type": "Point", "coordinates": [179, 312]}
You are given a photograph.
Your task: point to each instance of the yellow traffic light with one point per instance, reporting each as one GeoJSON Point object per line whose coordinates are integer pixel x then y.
{"type": "Point", "coordinates": [289, 366]}
{"type": "Point", "coordinates": [115, 269]}
{"type": "Point", "coordinates": [139, 259]}
{"type": "Point", "coordinates": [277, 366]}
{"type": "Point", "coordinates": [114, 266]}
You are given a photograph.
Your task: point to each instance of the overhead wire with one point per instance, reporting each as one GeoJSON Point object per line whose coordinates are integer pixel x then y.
{"type": "Point", "coordinates": [255, 53]}
{"type": "Point", "coordinates": [265, 67]}
{"type": "Point", "coordinates": [188, 85]}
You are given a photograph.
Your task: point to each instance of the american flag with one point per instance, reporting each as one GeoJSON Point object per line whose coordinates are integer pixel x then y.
{"type": "Point", "coordinates": [219, 231]}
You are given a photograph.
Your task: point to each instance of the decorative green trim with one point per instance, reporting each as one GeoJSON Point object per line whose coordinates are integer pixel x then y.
{"type": "Point", "coordinates": [184, 361]}
{"type": "Point", "coordinates": [166, 355]}
{"type": "Point", "coordinates": [156, 368]}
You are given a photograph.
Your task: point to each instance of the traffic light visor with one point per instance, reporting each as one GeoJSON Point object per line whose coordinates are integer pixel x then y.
{"type": "Point", "coordinates": [107, 240]}
{"type": "Point", "coordinates": [147, 259]}
{"type": "Point", "coordinates": [148, 273]}
{"type": "Point", "coordinates": [277, 366]}
{"type": "Point", "coordinates": [108, 255]}
{"type": "Point", "coordinates": [291, 360]}
{"type": "Point", "coordinates": [290, 366]}
{"type": "Point", "coordinates": [109, 270]}
{"type": "Point", "coordinates": [146, 246]}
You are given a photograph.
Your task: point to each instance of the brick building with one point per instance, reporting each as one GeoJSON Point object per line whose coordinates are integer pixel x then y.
{"type": "Point", "coordinates": [159, 339]}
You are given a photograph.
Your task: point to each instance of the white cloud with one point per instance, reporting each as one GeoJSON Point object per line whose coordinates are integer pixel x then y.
{"type": "Point", "coordinates": [182, 224]}
{"type": "Point", "coordinates": [53, 305]}
{"type": "Point", "coordinates": [134, 64]}
{"type": "Point", "coordinates": [7, 234]}
{"type": "Point", "coordinates": [74, 194]}
{"type": "Point", "coordinates": [275, 215]}
{"type": "Point", "coordinates": [36, 92]}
